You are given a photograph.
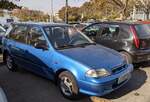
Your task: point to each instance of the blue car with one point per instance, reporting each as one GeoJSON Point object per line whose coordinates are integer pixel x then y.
{"type": "Point", "coordinates": [61, 53]}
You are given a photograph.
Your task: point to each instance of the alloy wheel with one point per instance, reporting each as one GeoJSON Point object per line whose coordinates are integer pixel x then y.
{"type": "Point", "coordinates": [9, 62]}
{"type": "Point", "coordinates": [66, 86]}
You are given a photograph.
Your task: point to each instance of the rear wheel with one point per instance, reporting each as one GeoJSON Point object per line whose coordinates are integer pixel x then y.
{"type": "Point", "coordinates": [67, 85]}
{"type": "Point", "coordinates": [10, 63]}
{"type": "Point", "coordinates": [127, 57]}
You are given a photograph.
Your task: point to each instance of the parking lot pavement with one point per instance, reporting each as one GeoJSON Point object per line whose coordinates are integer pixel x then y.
{"type": "Point", "coordinates": [24, 86]}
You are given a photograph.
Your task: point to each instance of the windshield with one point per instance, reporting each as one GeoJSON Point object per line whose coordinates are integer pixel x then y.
{"type": "Point", "coordinates": [143, 30]}
{"type": "Point", "coordinates": [66, 37]}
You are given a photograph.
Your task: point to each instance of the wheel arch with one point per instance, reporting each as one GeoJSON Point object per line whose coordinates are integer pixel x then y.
{"type": "Point", "coordinates": [5, 52]}
{"type": "Point", "coordinates": [57, 73]}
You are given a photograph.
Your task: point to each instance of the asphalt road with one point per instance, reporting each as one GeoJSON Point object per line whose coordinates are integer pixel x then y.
{"type": "Point", "coordinates": [23, 86]}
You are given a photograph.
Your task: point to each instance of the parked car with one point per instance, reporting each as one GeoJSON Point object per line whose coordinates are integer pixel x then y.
{"type": "Point", "coordinates": [79, 26]}
{"type": "Point", "coordinates": [59, 52]}
{"type": "Point", "coordinates": [132, 40]}
{"type": "Point", "coordinates": [2, 96]}
{"type": "Point", "coordinates": [144, 22]}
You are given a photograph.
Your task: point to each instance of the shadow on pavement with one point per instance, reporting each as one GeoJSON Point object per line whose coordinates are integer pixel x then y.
{"type": "Point", "coordinates": [144, 64]}
{"type": "Point", "coordinates": [24, 86]}
{"type": "Point", "coordinates": [138, 79]}
{"type": "Point", "coordinates": [1, 64]}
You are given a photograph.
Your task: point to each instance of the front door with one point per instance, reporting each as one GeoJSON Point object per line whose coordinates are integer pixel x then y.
{"type": "Point", "coordinates": [38, 54]}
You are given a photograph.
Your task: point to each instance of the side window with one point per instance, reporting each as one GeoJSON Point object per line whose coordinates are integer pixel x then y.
{"type": "Point", "coordinates": [19, 33]}
{"type": "Point", "coordinates": [124, 32]}
{"type": "Point", "coordinates": [36, 38]}
{"type": "Point", "coordinates": [110, 32]}
{"type": "Point", "coordinates": [93, 30]}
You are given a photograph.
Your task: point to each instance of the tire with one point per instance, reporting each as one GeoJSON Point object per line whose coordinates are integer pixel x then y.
{"type": "Point", "coordinates": [70, 89]}
{"type": "Point", "coordinates": [10, 63]}
{"type": "Point", "coordinates": [127, 57]}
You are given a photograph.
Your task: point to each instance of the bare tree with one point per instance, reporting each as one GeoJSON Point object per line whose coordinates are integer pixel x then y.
{"type": "Point", "coordinates": [122, 5]}
{"type": "Point", "coordinates": [145, 5]}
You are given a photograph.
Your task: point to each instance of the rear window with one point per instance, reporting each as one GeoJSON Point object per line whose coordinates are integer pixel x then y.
{"type": "Point", "coordinates": [143, 30]}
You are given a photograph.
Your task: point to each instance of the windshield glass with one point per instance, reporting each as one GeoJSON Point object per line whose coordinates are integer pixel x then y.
{"type": "Point", "coordinates": [143, 30]}
{"type": "Point", "coordinates": [66, 37]}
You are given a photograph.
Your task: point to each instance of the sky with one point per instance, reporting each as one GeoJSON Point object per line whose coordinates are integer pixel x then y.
{"type": "Point", "coordinates": [45, 5]}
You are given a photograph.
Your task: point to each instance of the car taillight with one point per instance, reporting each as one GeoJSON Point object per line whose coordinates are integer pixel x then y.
{"type": "Point", "coordinates": [136, 40]}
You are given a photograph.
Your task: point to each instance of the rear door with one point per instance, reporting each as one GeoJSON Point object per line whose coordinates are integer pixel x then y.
{"type": "Point", "coordinates": [17, 43]}
{"type": "Point", "coordinates": [37, 53]}
{"type": "Point", "coordinates": [109, 36]}
{"type": "Point", "coordinates": [125, 40]}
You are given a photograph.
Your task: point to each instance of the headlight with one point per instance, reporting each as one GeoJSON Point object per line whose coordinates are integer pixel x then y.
{"type": "Point", "coordinates": [95, 73]}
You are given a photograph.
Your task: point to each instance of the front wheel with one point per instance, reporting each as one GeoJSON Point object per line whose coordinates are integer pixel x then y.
{"type": "Point", "coordinates": [67, 85]}
{"type": "Point", "coordinates": [10, 63]}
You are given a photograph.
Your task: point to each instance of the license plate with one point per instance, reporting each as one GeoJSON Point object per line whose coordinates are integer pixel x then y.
{"type": "Point", "coordinates": [123, 78]}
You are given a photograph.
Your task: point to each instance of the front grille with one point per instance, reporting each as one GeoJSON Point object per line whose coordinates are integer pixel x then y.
{"type": "Point", "coordinates": [118, 69]}
{"type": "Point", "coordinates": [116, 85]}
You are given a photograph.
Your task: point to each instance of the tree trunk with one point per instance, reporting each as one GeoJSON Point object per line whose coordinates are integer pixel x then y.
{"type": "Point", "coordinates": [123, 15]}
{"type": "Point", "coordinates": [147, 15]}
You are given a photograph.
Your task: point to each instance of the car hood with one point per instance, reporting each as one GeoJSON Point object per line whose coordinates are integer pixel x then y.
{"type": "Point", "coordinates": [94, 56]}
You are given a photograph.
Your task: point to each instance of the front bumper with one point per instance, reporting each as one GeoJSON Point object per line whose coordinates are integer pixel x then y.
{"type": "Point", "coordinates": [141, 58]}
{"type": "Point", "coordinates": [100, 87]}
{"type": "Point", "coordinates": [140, 55]}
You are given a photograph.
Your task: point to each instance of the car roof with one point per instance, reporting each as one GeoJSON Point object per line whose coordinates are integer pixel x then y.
{"type": "Point", "coordinates": [118, 22]}
{"type": "Point", "coordinates": [144, 22]}
{"type": "Point", "coordinates": [41, 23]}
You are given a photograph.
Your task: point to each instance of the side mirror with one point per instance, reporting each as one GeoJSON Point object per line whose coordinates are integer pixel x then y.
{"type": "Point", "coordinates": [41, 45]}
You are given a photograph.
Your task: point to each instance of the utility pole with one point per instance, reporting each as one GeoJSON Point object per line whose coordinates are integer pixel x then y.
{"type": "Point", "coordinates": [52, 12]}
{"type": "Point", "coordinates": [134, 13]}
{"type": "Point", "coordinates": [66, 12]}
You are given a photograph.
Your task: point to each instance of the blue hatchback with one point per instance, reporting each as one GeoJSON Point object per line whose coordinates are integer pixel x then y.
{"type": "Point", "coordinates": [62, 53]}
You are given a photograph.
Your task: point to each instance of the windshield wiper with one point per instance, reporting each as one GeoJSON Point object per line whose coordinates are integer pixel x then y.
{"type": "Point", "coordinates": [66, 46]}
{"type": "Point", "coordinates": [73, 46]}
{"type": "Point", "coordinates": [86, 44]}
